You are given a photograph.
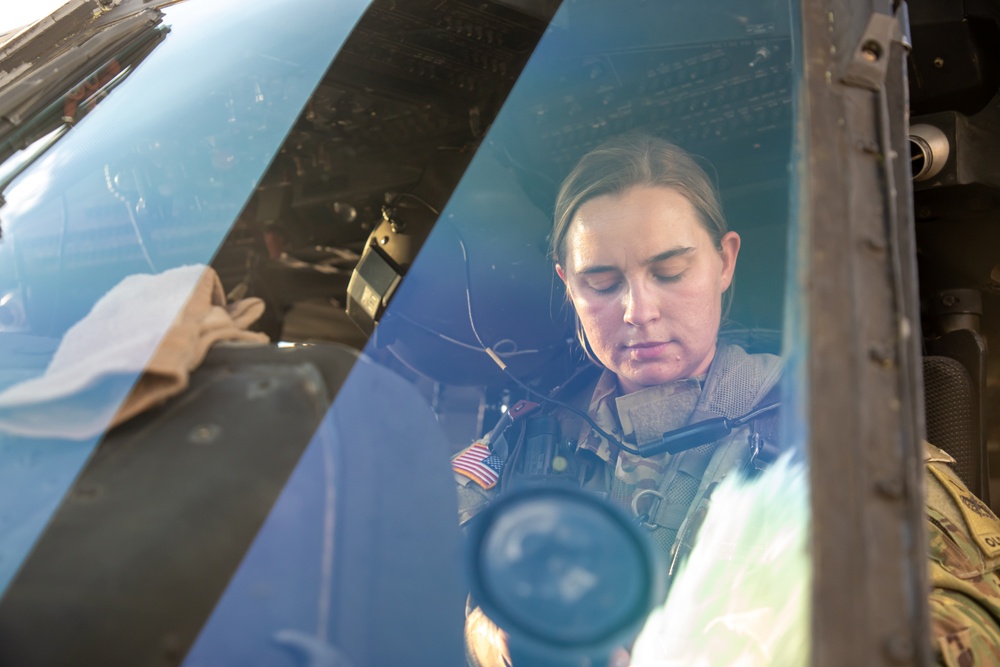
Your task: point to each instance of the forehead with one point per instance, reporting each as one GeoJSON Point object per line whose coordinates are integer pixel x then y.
{"type": "Point", "coordinates": [638, 223]}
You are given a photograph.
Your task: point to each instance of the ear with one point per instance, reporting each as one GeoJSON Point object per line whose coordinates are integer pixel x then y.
{"type": "Point", "coordinates": [729, 250]}
{"type": "Point", "coordinates": [561, 272]}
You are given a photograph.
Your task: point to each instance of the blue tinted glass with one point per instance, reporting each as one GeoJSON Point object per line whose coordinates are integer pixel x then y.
{"type": "Point", "coordinates": [718, 86]}
{"type": "Point", "coordinates": [151, 180]}
{"type": "Point", "coordinates": [662, 350]}
{"type": "Point", "coordinates": [358, 562]}
{"type": "Point", "coordinates": [368, 514]}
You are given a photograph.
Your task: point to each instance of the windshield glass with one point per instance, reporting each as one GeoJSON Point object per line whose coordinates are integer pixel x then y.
{"type": "Point", "coordinates": [484, 293]}
{"type": "Point", "coordinates": [553, 235]}
{"type": "Point", "coordinates": [151, 181]}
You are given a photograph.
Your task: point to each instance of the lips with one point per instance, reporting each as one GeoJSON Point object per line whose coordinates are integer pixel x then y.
{"type": "Point", "coordinates": [646, 350]}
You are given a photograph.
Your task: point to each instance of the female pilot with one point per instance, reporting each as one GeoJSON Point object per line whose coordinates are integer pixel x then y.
{"type": "Point", "coordinates": [643, 249]}
{"type": "Point", "coordinates": [644, 252]}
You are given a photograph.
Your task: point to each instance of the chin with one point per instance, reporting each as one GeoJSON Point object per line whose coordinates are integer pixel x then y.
{"type": "Point", "coordinates": [676, 369]}
{"type": "Point", "coordinates": [653, 378]}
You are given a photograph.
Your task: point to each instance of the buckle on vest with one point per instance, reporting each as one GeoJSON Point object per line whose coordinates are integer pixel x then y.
{"type": "Point", "coordinates": [762, 453]}
{"type": "Point", "coordinates": [642, 518]}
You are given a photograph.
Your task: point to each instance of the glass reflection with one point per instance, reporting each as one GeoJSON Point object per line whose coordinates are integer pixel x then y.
{"type": "Point", "coordinates": [150, 179]}
{"type": "Point", "coordinates": [662, 156]}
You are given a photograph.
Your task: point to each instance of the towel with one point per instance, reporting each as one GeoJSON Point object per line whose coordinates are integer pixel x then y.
{"type": "Point", "coordinates": [135, 349]}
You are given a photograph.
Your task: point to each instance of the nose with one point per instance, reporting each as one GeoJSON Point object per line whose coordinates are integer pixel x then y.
{"type": "Point", "coordinates": [640, 306]}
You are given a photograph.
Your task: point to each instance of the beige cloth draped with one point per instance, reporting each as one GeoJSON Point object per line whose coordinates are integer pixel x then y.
{"type": "Point", "coordinates": [135, 349]}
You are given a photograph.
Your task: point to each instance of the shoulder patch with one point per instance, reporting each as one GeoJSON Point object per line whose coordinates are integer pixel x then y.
{"type": "Point", "coordinates": [982, 522]}
{"type": "Point", "coordinates": [479, 464]}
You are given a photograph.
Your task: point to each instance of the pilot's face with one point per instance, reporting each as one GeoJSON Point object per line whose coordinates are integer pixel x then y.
{"type": "Point", "coordinates": [647, 284]}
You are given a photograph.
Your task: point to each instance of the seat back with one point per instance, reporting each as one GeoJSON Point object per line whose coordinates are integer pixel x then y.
{"type": "Point", "coordinates": [952, 411]}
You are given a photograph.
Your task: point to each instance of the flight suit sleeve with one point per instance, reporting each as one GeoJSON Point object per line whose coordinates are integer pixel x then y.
{"type": "Point", "coordinates": [964, 569]}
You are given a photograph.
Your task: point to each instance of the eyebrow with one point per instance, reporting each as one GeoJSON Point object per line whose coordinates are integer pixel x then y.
{"type": "Point", "coordinates": [673, 252]}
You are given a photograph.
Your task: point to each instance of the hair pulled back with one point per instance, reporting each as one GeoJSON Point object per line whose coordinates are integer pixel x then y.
{"type": "Point", "coordinates": [637, 159]}
{"type": "Point", "coordinates": [629, 160]}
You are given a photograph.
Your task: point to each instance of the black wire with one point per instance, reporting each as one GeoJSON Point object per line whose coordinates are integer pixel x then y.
{"type": "Point", "coordinates": [566, 406]}
{"type": "Point", "coordinates": [903, 359]}
{"type": "Point", "coordinates": [730, 423]}
{"type": "Point", "coordinates": [503, 367]}
{"type": "Point", "coordinates": [410, 195]}
{"type": "Point", "coordinates": [740, 421]}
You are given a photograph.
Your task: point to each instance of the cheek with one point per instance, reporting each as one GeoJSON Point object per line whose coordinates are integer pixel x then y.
{"type": "Point", "coordinates": [704, 318]}
{"type": "Point", "coordinates": [704, 294]}
{"type": "Point", "coordinates": [586, 303]}
{"type": "Point", "coordinates": [598, 316]}
{"type": "Point", "coordinates": [705, 306]}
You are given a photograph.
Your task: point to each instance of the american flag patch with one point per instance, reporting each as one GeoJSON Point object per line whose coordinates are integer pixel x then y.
{"type": "Point", "coordinates": [479, 464]}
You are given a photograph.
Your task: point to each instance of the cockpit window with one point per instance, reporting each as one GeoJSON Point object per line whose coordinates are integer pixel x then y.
{"type": "Point", "coordinates": [657, 141]}
{"type": "Point", "coordinates": [149, 181]}
{"type": "Point", "coordinates": [619, 244]}
{"type": "Point", "coordinates": [555, 235]}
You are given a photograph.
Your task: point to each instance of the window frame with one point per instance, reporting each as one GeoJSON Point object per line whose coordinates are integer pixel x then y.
{"type": "Point", "coordinates": [858, 289]}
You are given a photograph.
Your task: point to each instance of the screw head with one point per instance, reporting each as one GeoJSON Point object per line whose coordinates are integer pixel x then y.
{"type": "Point", "coordinates": [205, 434]}
{"type": "Point", "coordinates": [871, 51]}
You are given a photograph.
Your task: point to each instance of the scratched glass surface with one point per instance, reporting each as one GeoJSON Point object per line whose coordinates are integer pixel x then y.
{"type": "Point", "coordinates": [150, 179]}
{"type": "Point", "coordinates": [718, 83]}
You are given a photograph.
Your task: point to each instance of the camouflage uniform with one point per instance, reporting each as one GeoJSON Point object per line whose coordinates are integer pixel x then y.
{"type": "Point", "coordinates": [664, 490]}
{"type": "Point", "coordinates": [964, 535]}
{"type": "Point", "coordinates": [964, 569]}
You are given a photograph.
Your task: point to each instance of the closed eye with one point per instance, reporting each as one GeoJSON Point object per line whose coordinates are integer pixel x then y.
{"type": "Point", "coordinates": [604, 288]}
{"type": "Point", "coordinates": [668, 278]}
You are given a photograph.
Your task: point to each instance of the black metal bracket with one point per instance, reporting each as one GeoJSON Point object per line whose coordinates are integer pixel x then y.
{"type": "Point", "coordinates": [869, 63]}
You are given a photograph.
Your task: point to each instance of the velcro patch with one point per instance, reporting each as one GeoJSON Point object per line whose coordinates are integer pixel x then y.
{"type": "Point", "coordinates": [980, 519]}
{"type": "Point", "coordinates": [479, 464]}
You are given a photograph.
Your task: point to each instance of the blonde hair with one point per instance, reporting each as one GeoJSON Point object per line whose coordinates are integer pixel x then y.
{"type": "Point", "coordinates": [629, 160]}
